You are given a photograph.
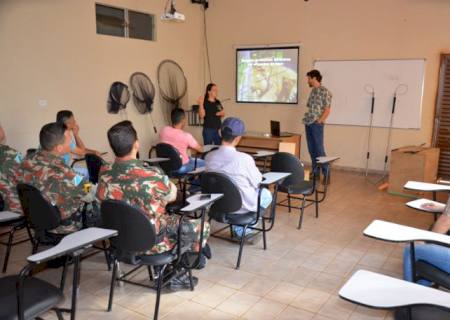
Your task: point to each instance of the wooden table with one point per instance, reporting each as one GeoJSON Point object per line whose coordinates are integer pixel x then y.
{"type": "Point", "coordinates": [252, 142]}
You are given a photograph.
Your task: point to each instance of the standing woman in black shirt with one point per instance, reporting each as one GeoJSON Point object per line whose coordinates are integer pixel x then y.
{"type": "Point", "coordinates": [211, 111]}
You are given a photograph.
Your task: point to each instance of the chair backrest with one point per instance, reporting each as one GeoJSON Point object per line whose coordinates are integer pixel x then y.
{"type": "Point", "coordinates": [136, 232]}
{"type": "Point", "coordinates": [41, 214]}
{"type": "Point", "coordinates": [214, 182]}
{"type": "Point", "coordinates": [165, 150]}
{"type": "Point", "coordinates": [93, 163]}
{"type": "Point", "coordinates": [286, 162]}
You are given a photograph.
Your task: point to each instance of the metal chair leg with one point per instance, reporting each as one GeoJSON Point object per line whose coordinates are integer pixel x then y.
{"type": "Point", "coordinates": [113, 283]}
{"type": "Point", "coordinates": [64, 274]}
{"type": "Point", "coordinates": [8, 248]}
{"type": "Point", "coordinates": [35, 246]}
{"type": "Point", "coordinates": [302, 209]}
{"type": "Point", "coordinates": [289, 202]}
{"type": "Point", "coordinates": [158, 292]}
{"type": "Point", "coordinates": [241, 246]}
{"type": "Point", "coordinates": [107, 257]}
{"type": "Point", "coordinates": [58, 314]}
{"type": "Point", "coordinates": [75, 286]}
{"type": "Point", "coordinates": [316, 200]}
{"type": "Point", "coordinates": [150, 273]}
{"type": "Point", "coordinates": [264, 233]}
{"type": "Point", "coordinates": [30, 236]}
{"type": "Point", "coordinates": [191, 281]}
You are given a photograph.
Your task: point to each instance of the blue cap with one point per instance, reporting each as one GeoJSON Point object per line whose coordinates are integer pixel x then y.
{"type": "Point", "coordinates": [235, 125]}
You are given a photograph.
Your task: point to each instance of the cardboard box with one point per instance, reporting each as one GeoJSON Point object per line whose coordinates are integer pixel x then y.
{"type": "Point", "coordinates": [412, 163]}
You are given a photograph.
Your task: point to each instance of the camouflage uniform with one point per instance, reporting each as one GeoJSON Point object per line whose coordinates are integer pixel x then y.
{"type": "Point", "coordinates": [147, 188]}
{"type": "Point", "coordinates": [10, 176]}
{"type": "Point", "coordinates": [58, 183]}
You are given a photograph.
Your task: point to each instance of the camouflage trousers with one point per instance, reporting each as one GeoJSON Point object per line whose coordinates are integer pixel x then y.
{"type": "Point", "coordinates": [190, 235]}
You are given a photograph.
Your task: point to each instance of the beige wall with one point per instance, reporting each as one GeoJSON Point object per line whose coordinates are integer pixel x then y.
{"type": "Point", "coordinates": [331, 29]}
{"type": "Point", "coordinates": [49, 50]}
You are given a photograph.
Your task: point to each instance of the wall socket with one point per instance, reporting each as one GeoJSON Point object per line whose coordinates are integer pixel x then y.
{"type": "Point", "coordinates": [42, 103]}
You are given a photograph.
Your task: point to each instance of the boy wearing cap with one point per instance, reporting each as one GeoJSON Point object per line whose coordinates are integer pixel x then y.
{"type": "Point", "coordinates": [239, 167]}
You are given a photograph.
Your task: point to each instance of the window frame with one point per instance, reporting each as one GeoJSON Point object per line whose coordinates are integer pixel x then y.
{"type": "Point", "coordinates": [127, 22]}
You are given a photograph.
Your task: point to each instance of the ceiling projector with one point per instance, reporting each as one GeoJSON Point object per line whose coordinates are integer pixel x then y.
{"type": "Point", "coordinates": [175, 16]}
{"type": "Point", "coordinates": [171, 14]}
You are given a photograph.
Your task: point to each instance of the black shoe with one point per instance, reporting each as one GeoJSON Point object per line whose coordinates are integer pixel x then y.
{"type": "Point", "coordinates": [202, 262]}
{"type": "Point", "coordinates": [206, 250]}
{"type": "Point", "coordinates": [182, 282]}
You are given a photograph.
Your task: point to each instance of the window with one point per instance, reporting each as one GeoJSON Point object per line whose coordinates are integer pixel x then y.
{"type": "Point", "coordinates": [110, 21]}
{"type": "Point", "coordinates": [126, 23]}
{"type": "Point", "coordinates": [140, 25]}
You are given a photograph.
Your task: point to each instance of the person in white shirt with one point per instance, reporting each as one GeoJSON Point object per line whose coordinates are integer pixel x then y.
{"type": "Point", "coordinates": [239, 167]}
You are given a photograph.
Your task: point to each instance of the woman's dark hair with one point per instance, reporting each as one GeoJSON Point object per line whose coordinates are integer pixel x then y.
{"type": "Point", "coordinates": [52, 135]}
{"type": "Point", "coordinates": [121, 137]}
{"type": "Point", "coordinates": [208, 89]}
{"type": "Point", "coordinates": [63, 115]}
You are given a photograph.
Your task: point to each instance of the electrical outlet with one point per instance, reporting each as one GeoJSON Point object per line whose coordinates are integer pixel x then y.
{"type": "Point", "coordinates": [42, 103]}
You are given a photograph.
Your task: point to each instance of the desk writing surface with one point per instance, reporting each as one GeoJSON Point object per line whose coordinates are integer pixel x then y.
{"type": "Point", "coordinates": [8, 216]}
{"type": "Point", "coordinates": [156, 160]}
{"type": "Point", "coordinates": [263, 153]}
{"type": "Point", "coordinates": [327, 159]}
{"type": "Point", "coordinates": [209, 147]}
{"type": "Point", "coordinates": [73, 241]}
{"type": "Point", "coordinates": [394, 232]}
{"type": "Point", "coordinates": [195, 201]}
{"type": "Point", "coordinates": [425, 186]}
{"type": "Point", "coordinates": [384, 292]}
{"type": "Point", "coordinates": [196, 171]}
{"type": "Point", "coordinates": [417, 204]}
{"type": "Point", "coordinates": [272, 177]}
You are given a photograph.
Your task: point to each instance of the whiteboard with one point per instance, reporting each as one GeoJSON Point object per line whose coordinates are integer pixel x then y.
{"type": "Point", "coordinates": [350, 80]}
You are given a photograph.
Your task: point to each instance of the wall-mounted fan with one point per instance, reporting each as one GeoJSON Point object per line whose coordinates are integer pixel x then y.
{"type": "Point", "coordinates": [118, 97]}
{"type": "Point", "coordinates": [172, 86]}
{"type": "Point", "coordinates": [143, 94]}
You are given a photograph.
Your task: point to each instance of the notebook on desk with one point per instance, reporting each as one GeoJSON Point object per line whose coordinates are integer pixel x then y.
{"type": "Point", "coordinates": [275, 130]}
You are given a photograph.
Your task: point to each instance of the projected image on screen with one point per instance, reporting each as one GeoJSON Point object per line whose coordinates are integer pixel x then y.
{"type": "Point", "coordinates": [267, 75]}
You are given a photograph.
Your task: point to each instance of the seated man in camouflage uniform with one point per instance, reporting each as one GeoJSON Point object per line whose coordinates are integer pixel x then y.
{"type": "Point", "coordinates": [144, 187]}
{"type": "Point", "coordinates": [10, 161]}
{"type": "Point", "coordinates": [58, 183]}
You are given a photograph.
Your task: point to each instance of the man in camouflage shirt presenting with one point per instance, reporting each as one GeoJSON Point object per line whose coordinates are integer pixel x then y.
{"type": "Point", "coordinates": [319, 103]}
{"type": "Point", "coordinates": [145, 187]}
{"type": "Point", "coordinates": [59, 184]}
{"type": "Point", "coordinates": [10, 175]}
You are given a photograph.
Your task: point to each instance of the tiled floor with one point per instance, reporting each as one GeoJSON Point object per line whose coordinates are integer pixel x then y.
{"type": "Point", "coordinates": [297, 277]}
